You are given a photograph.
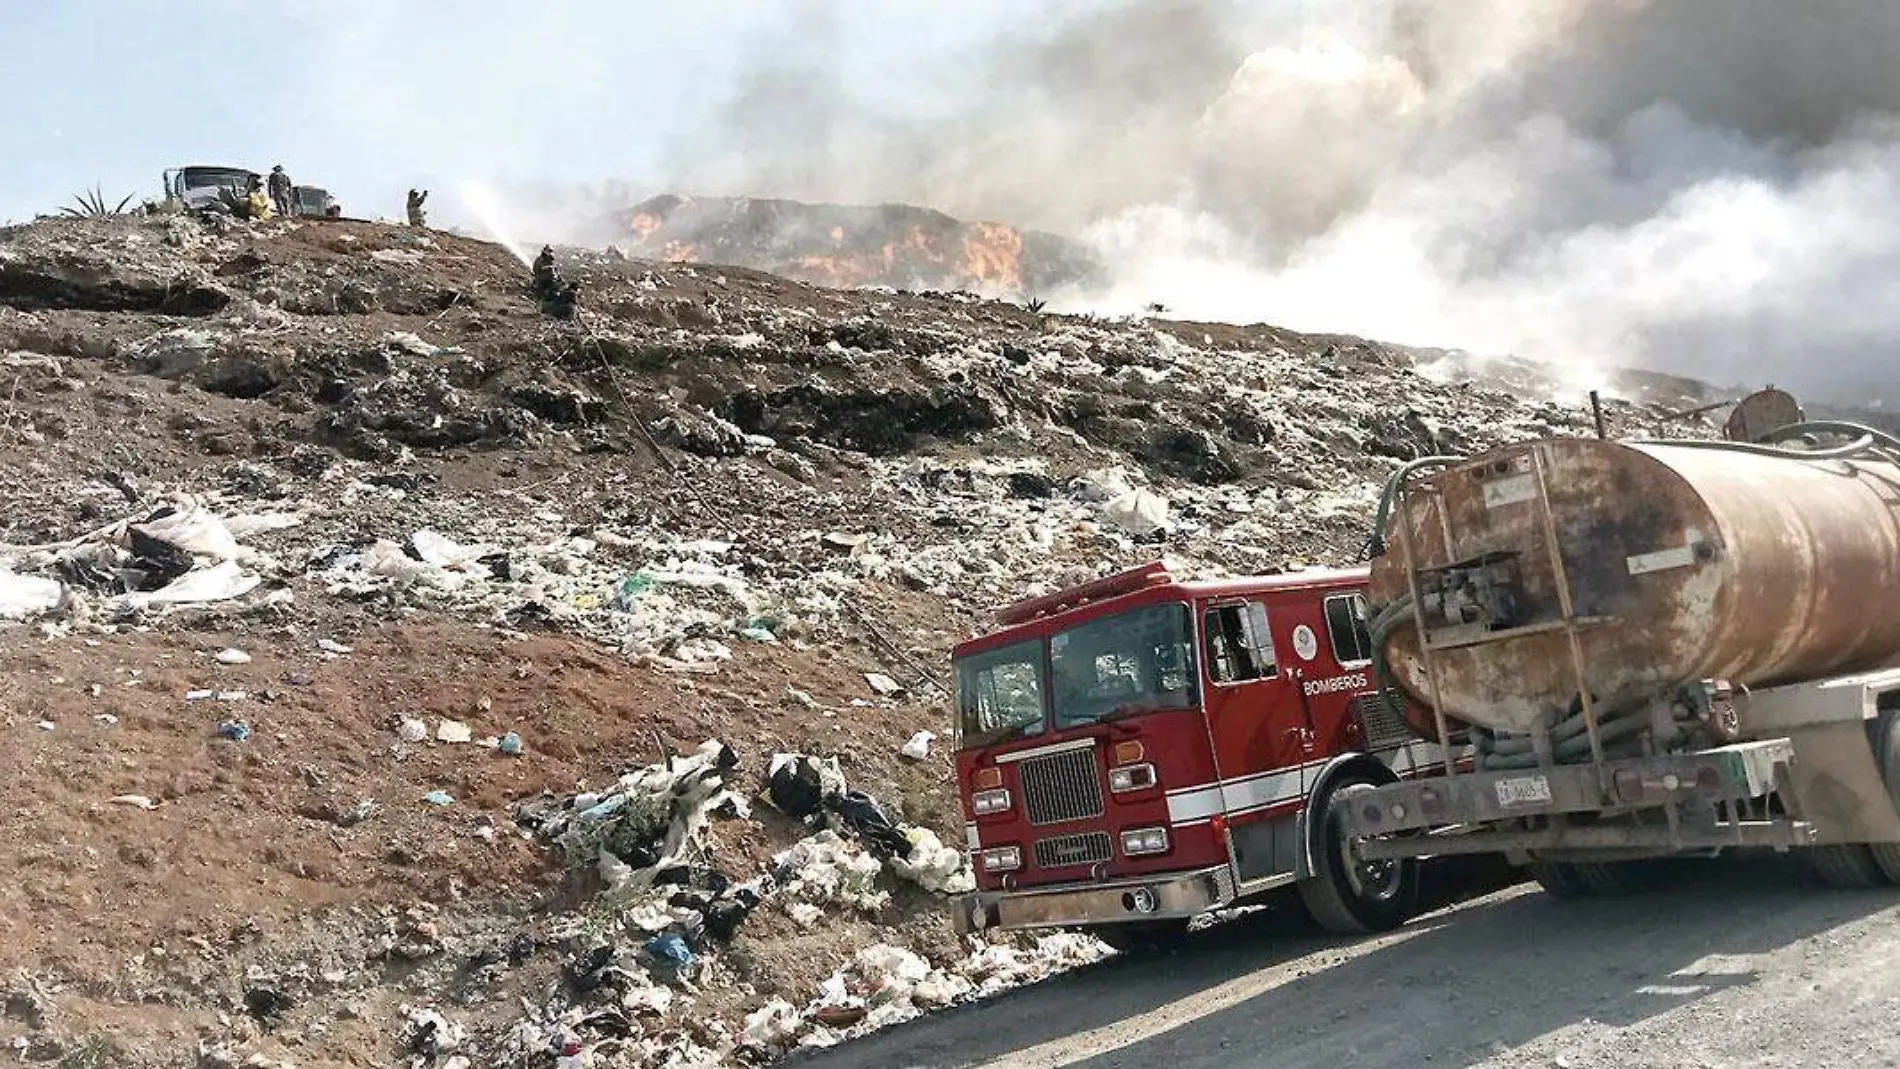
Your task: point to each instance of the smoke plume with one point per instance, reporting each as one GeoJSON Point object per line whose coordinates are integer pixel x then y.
{"type": "Point", "coordinates": [1699, 186]}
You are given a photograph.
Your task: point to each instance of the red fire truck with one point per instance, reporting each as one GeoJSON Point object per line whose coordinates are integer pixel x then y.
{"type": "Point", "coordinates": [1141, 749]}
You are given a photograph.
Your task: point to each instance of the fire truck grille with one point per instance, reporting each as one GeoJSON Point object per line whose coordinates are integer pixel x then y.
{"type": "Point", "coordinates": [1063, 851]}
{"type": "Point", "coordinates": [1062, 787]}
{"type": "Point", "coordinates": [1380, 722]}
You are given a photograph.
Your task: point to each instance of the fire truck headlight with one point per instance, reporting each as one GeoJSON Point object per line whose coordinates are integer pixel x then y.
{"type": "Point", "coordinates": [1131, 778]}
{"type": "Point", "coordinates": [1002, 859]}
{"type": "Point", "coordinates": [986, 802]}
{"type": "Point", "coordinates": [1139, 841]}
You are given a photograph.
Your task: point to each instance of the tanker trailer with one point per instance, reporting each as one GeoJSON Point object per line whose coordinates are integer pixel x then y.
{"type": "Point", "coordinates": [1650, 649]}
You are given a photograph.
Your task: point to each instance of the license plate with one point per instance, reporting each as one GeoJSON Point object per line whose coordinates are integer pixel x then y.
{"type": "Point", "coordinates": [1523, 790]}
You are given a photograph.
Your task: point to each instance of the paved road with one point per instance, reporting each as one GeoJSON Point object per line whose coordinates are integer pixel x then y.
{"type": "Point", "coordinates": [1742, 963]}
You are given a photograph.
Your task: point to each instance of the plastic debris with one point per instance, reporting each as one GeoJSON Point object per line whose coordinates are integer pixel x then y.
{"type": "Point", "coordinates": [136, 801]}
{"type": "Point", "coordinates": [334, 647]}
{"type": "Point", "coordinates": [773, 1025]}
{"type": "Point", "coordinates": [670, 952]}
{"type": "Point", "coordinates": [453, 731]}
{"type": "Point", "coordinates": [232, 655]}
{"type": "Point", "coordinates": [23, 597]}
{"type": "Point", "coordinates": [45, 725]}
{"type": "Point", "coordinates": [932, 865]}
{"type": "Point", "coordinates": [438, 798]}
{"type": "Point", "coordinates": [215, 695]}
{"type": "Point", "coordinates": [824, 868]}
{"type": "Point", "coordinates": [433, 1035]}
{"type": "Point", "coordinates": [884, 685]}
{"type": "Point", "coordinates": [917, 748]}
{"type": "Point", "coordinates": [235, 730]}
{"type": "Point", "coordinates": [1138, 512]}
{"type": "Point", "coordinates": [510, 744]}
{"type": "Point", "coordinates": [647, 822]}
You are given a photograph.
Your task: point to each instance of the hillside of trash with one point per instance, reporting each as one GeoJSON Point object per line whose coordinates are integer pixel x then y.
{"type": "Point", "coordinates": [397, 674]}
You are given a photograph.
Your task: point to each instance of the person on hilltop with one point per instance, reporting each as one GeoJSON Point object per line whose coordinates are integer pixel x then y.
{"type": "Point", "coordinates": [280, 190]}
{"type": "Point", "coordinates": [414, 207]}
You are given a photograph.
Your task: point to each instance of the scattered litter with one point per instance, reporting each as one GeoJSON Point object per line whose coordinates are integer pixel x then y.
{"type": "Point", "coordinates": [453, 731]}
{"type": "Point", "coordinates": [232, 655]}
{"type": "Point", "coordinates": [46, 725]}
{"type": "Point", "coordinates": [215, 695]}
{"type": "Point", "coordinates": [510, 744]}
{"type": "Point", "coordinates": [106, 719]}
{"type": "Point", "coordinates": [438, 798]}
{"type": "Point", "coordinates": [918, 746]}
{"type": "Point", "coordinates": [410, 729]}
{"type": "Point", "coordinates": [136, 801]}
{"type": "Point", "coordinates": [235, 730]}
{"type": "Point", "coordinates": [332, 646]}
{"type": "Point", "coordinates": [884, 685]}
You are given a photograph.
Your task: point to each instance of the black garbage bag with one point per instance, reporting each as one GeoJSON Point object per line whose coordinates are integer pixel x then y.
{"type": "Point", "coordinates": [798, 785]}
{"type": "Point", "coordinates": [881, 836]}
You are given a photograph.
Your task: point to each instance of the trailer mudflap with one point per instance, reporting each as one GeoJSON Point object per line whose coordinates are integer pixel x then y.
{"type": "Point", "coordinates": [1739, 771]}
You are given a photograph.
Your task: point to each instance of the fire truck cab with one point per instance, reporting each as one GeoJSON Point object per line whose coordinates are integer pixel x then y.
{"type": "Point", "coordinates": [1138, 750]}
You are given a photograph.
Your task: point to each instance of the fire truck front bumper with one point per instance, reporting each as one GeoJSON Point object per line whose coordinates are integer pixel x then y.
{"type": "Point", "coordinates": [1160, 897]}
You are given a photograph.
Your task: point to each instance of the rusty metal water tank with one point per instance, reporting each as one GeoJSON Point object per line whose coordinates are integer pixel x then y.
{"type": "Point", "coordinates": [1679, 562]}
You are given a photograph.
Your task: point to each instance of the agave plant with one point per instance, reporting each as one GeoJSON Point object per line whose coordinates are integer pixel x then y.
{"type": "Point", "coordinates": [92, 205]}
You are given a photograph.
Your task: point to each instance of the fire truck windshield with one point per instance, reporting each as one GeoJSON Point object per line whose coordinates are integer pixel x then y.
{"type": "Point", "coordinates": [999, 694]}
{"type": "Point", "coordinates": [1139, 661]}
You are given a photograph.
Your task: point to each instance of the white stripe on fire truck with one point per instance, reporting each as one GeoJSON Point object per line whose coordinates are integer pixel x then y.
{"type": "Point", "coordinates": [1264, 790]}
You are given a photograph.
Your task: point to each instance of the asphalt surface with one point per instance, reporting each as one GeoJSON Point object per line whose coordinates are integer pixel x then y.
{"type": "Point", "coordinates": [1740, 962]}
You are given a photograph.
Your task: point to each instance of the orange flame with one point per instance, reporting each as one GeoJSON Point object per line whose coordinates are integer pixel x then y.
{"type": "Point", "coordinates": [644, 223]}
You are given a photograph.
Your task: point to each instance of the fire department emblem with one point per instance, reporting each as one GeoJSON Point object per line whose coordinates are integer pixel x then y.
{"type": "Point", "coordinates": [1305, 643]}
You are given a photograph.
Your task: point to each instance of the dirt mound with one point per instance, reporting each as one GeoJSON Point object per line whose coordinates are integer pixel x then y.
{"type": "Point", "coordinates": [360, 457]}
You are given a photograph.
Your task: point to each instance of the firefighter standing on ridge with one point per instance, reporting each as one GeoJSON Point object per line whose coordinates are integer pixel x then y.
{"type": "Point", "coordinates": [414, 208]}
{"type": "Point", "coordinates": [557, 296]}
{"type": "Point", "coordinates": [256, 202]}
{"type": "Point", "coordinates": [280, 190]}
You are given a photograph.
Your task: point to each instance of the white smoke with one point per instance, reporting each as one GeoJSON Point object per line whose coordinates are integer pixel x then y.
{"type": "Point", "coordinates": [1700, 186]}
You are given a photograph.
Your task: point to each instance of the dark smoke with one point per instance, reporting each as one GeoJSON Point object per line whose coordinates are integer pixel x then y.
{"type": "Point", "coordinates": [1701, 186]}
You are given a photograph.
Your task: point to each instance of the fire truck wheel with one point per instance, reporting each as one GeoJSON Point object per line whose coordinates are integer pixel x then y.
{"type": "Point", "coordinates": [1352, 897]}
{"type": "Point", "coordinates": [1152, 937]}
{"type": "Point", "coordinates": [1887, 755]}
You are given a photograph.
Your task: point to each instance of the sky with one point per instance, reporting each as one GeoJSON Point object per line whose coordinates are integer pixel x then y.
{"type": "Point", "coordinates": [369, 98]}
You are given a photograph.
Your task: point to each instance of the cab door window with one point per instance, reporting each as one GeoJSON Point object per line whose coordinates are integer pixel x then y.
{"type": "Point", "coordinates": [1346, 624]}
{"type": "Point", "coordinates": [1239, 644]}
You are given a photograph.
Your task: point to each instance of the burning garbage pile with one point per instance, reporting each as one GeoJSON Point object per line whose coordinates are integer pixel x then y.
{"type": "Point", "coordinates": [846, 246]}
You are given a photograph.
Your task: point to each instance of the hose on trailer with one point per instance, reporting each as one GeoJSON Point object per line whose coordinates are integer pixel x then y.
{"type": "Point", "coordinates": [1375, 539]}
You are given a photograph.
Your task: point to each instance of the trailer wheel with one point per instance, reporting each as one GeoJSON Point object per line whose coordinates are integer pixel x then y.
{"type": "Point", "coordinates": [1143, 937]}
{"type": "Point", "coordinates": [1561, 879]}
{"type": "Point", "coordinates": [1352, 897]}
{"type": "Point", "coordinates": [1887, 754]}
{"type": "Point", "coordinates": [1846, 866]}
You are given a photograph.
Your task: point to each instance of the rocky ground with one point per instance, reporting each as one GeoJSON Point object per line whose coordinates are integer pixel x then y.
{"type": "Point", "coordinates": [310, 524]}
